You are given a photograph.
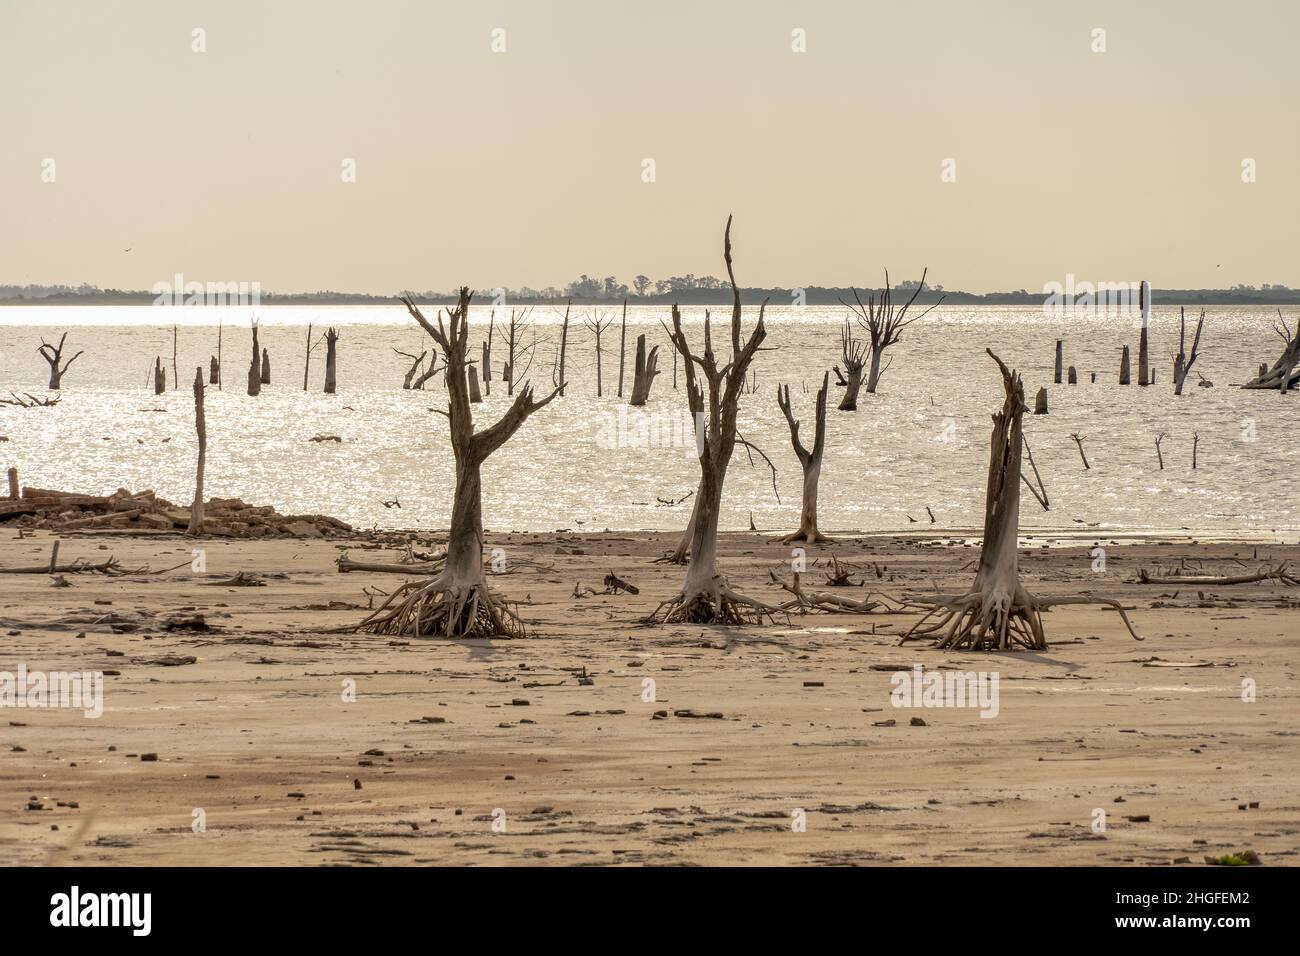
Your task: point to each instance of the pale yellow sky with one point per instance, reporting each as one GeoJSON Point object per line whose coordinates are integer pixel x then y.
{"type": "Point", "coordinates": [525, 167]}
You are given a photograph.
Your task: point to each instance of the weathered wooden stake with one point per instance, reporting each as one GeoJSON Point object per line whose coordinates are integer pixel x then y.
{"type": "Point", "coordinates": [1060, 360]}
{"type": "Point", "coordinates": [1124, 372]}
{"type": "Point", "coordinates": [201, 428]}
{"type": "Point", "coordinates": [1073, 376]}
{"type": "Point", "coordinates": [1040, 401]}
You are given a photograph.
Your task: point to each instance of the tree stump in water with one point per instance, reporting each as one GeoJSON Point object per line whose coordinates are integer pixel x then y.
{"type": "Point", "coordinates": [331, 353]}
{"type": "Point", "coordinates": [1040, 402]}
{"type": "Point", "coordinates": [644, 372]}
{"type": "Point", "coordinates": [474, 394]}
{"type": "Point", "coordinates": [1073, 376]}
{"type": "Point", "coordinates": [1124, 372]}
{"type": "Point", "coordinates": [214, 371]}
{"type": "Point", "coordinates": [254, 367]}
{"type": "Point", "coordinates": [266, 368]}
{"type": "Point", "coordinates": [853, 356]}
{"type": "Point", "coordinates": [159, 376]}
{"type": "Point", "coordinates": [201, 428]}
{"type": "Point", "coordinates": [53, 354]}
{"type": "Point", "coordinates": [809, 460]}
{"type": "Point", "coordinates": [1060, 359]}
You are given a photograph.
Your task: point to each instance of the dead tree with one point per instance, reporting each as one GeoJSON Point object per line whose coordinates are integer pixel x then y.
{"type": "Point", "coordinates": [311, 347]}
{"type": "Point", "coordinates": [254, 368]}
{"type": "Point", "coordinates": [646, 368]}
{"type": "Point", "coordinates": [1184, 361]}
{"type": "Point", "coordinates": [1060, 362]}
{"type": "Point", "coordinates": [430, 371]}
{"type": "Point", "coordinates": [220, 328]}
{"type": "Point", "coordinates": [1285, 372]}
{"type": "Point", "coordinates": [475, 395]}
{"type": "Point", "coordinates": [159, 376]}
{"type": "Point", "coordinates": [416, 362]}
{"type": "Point", "coordinates": [622, 352]}
{"type": "Point", "coordinates": [885, 324]}
{"type": "Point", "coordinates": [54, 355]}
{"type": "Point", "coordinates": [557, 370]}
{"type": "Point", "coordinates": [853, 356]}
{"type": "Point", "coordinates": [516, 351]}
{"type": "Point", "coordinates": [457, 603]}
{"type": "Point", "coordinates": [214, 371]}
{"type": "Point", "coordinates": [331, 358]}
{"type": "Point", "coordinates": [1144, 364]}
{"type": "Point", "coordinates": [266, 368]}
{"type": "Point", "coordinates": [1124, 373]}
{"type": "Point", "coordinates": [811, 462]}
{"type": "Point", "coordinates": [706, 598]}
{"type": "Point", "coordinates": [200, 426]}
{"type": "Point", "coordinates": [998, 612]}
{"type": "Point", "coordinates": [598, 325]}
{"type": "Point", "coordinates": [487, 354]}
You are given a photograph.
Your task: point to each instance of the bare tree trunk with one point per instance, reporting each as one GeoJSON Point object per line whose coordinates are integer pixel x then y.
{"type": "Point", "coordinates": [457, 603]}
{"type": "Point", "coordinates": [874, 375]}
{"type": "Point", "coordinates": [852, 356]}
{"type": "Point", "coordinates": [220, 328]}
{"type": "Point", "coordinates": [475, 395]}
{"type": "Point", "coordinates": [306, 365]}
{"type": "Point", "coordinates": [622, 352]}
{"type": "Point", "coordinates": [200, 426]}
{"type": "Point", "coordinates": [1124, 367]}
{"type": "Point", "coordinates": [1144, 299]}
{"type": "Point", "coordinates": [159, 376]}
{"type": "Point", "coordinates": [1040, 401]}
{"type": "Point", "coordinates": [644, 372]}
{"type": "Point", "coordinates": [266, 368]}
{"type": "Point", "coordinates": [176, 374]}
{"type": "Point", "coordinates": [705, 596]}
{"type": "Point", "coordinates": [53, 354]}
{"type": "Point", "coordinates": [331, 357]}
{"type": "Point", "coordinates": [564, 342]}
{"type": "Point", "coordinates": [809, 460]}
{"type": "Point", "coordinates": [1184, 362]}
{"type": "Point", "coordinates": [254, 368]}
{"type": "Point", "coordinates": [214, 371]}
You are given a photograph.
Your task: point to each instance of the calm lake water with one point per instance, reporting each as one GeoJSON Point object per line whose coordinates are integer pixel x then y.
{"type": "Point", "coordinates": [580, 463]}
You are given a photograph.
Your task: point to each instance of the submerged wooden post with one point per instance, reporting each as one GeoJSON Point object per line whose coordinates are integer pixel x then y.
{"type": "Point", "coordinates": [1144, 300]}
{"type": "Point", "coordinates": [266, 368]}
{"type": "Point", "coordinates": [159, 376]}
{"type": "Point", "coordinates": [214, 371]}
{"type": "Point", "coordinates": [622, 351]}
{"type": "Point", "coordinates": [1060, 360]}
{"type": "Point", "coordinates": [1040, 401]}
{"type": "Point", "coordinates": [331, 338]}
{"type": "Point", "coordinates": [1073, 376]}
{"type": "Point", "coordinates": [200, 426]}
{"type": "Point", "coordinates": [1124, 372]}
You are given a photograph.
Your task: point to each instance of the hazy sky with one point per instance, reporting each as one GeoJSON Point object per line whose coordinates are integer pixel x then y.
{"type": "Point", "coordinates": [525, 167]}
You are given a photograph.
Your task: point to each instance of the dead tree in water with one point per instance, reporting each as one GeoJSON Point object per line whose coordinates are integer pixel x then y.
{"type": "Point", "coordinates": [1285, 372]}
{"type": "Point", "coordinates": [201, 427]}
{"type": "Point", "coordinates": [254, 368]}
{"type": "Point", "coordinates": [598, 325]}
{"type": "Point", "coordinates": [487, 354]}
{"type": "Point", "coordinates": [214, 372]}
{"type": "Point", "coordinates": [516, 351]}
{"type": "Point", "coordinates": [1184, 362]}
{"type": "Point", "coordinates": [884, 324]}
{"type": "Point", "coordinates": [416, 362]}
{"type": "Point", "coordinates": [998, 613]}
{"type": "Point", "coordinates": [457, 603]}
{"type": "Point", "coordinates": [557, 371]}
{"type": "Point", "coordinates": [159, 376]}
{"type": "Point", "coordinates": [811, 461]}
{"type": "Point", "coordinates": [311, 347]}
{"type": "Point", "coordinates": [706, 598]}
{"type": "Point", "coordinates": [266, 368]}
{"type": "Point", "coordinates": [853, 355]}
{"type": "Point", "coordinates": [1144, 364]}
{"type": "Point", "coordinates": [331, 357]}
{"type": "Point", "coordinates": [646, 368]}
{"type": "Point", "coordinates": [54, 355]}
{"type": "Point", "coordinates": [622, 352]}
{"type": "Point", "coordinates": [431, 370]}
{"type": "Point", "coordinates": [1124, 374]}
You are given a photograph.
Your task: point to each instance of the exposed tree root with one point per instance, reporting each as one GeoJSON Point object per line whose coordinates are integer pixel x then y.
{"type": "Point", "coordinates": [438, 609]}
{"type": "Point", "coordinates": [815, 537]}
{"type": "Point", "coordinates": [805, 601]}
{"type": "Point", "coordinates": [717, 604]}
{"type": "Point", "coordinates": [996, 620]}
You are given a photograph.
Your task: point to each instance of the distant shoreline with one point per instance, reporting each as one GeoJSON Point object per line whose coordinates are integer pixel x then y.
{"type": "Point", "coordinates": [695, 297]}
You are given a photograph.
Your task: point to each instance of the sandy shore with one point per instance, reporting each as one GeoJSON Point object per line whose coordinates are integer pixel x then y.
{"type": "Point", "coordinates": [445, 739]}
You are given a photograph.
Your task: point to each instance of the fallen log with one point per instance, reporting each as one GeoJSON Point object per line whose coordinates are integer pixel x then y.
{"type": "Point", "coordinates": [1279, 574]}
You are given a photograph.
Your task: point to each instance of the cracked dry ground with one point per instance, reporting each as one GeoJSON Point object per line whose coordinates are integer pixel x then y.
{"type": "Point", "coordinates": [501, 752]}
